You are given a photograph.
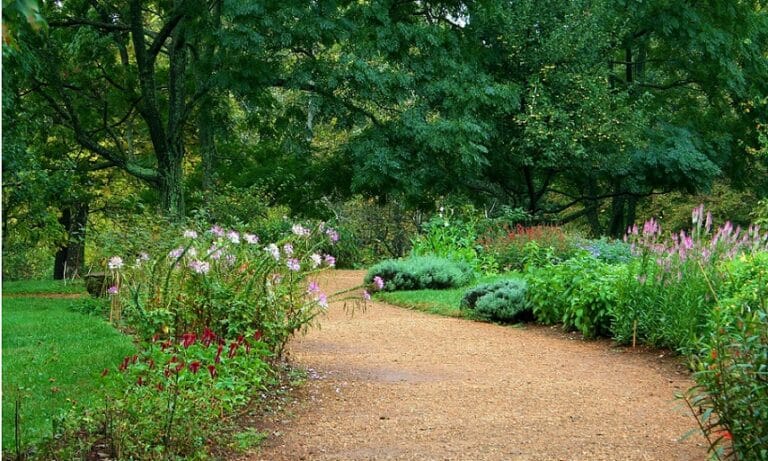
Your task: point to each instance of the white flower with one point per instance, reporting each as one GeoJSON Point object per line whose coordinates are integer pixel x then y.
{"type": "Point", "coordinates": [250, 238]}
{"type": "Point", "coordinates": [300, 230]}
{"type": "Point", "coordinates": [233, 237]}
{"type": "Point", "coordinates": [190, 234]}
{"type": "Point", "coordinates": [273, 250]}
{"type": "Point", "coordinates": [288, 249]}
{"type": "Point", "coordinates": [316, 260]}
{"type": "Point", "coordinates": [176, 253]}
{"type": "Point", "coordinates": [115, 262]}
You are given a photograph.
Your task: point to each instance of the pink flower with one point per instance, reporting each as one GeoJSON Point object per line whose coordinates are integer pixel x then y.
{"type": "Point", "coordinates": [379, 282]}
{"type": "Point", "coordinates": [293, 264]}
{"type": "Point", "coordinates": [115, 262]}
{"type": "Point", "coordinates": [322, 300]}
{"type": "Point", "coordinates": [330, 260]}
{"type": "Point", "coordinates": [217, 231]}
{"type": "Point", "coordinates": [200, 267]}
{"type": "Point", "coordinates": [112, 290]}
{"type": "Point", "coordinates": [313, 288]}
{"type": "Point", "coordinates": [176, 253]}
{"type": "Point", "coordinates": [366, 295]}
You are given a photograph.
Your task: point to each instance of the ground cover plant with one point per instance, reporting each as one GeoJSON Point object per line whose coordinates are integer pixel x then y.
{"type": "Point", "coordinates": [52, 358]}
{"type": "Point", "coordinates": [420, 272]}
{"type": "Point", "coordinates": [443, 302]}
{"type": "Point", "coordinates": [503, 301]}
{"type": "Point", "coordinates": [43, 287]}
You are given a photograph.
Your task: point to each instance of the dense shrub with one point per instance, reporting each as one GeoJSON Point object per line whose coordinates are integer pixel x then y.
{"type": "Point", "coordinates": [420, 272]}
{"type": "Point", "coordinates": [607, 250]}
{"type": "Point", "coordinates": [503, 301]}
{"type": "Point", "coordinates": [512, 248]}
{"type": "Point", "coordinates": [454, 239]}
{"type": "Point", "coordinates": [731, 396]}
{"type": "Point", "coordinates": [580, 292]}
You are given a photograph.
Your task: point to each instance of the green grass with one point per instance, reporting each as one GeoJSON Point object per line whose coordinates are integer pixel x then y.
{"type": "Point", "coordinates": [441, 302]}
{"type": "Point", "coordinates": [52, 359]}
{"type": "Point", "coordinates": [43, 287]}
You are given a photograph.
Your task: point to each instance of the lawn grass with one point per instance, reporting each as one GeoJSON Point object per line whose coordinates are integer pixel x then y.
{"type": "Point", "coordinates": [43, 287]}
{"type": "Point", "coordinates": [441, 302]}
{"type": "Point", "coordinates": [52, 358]}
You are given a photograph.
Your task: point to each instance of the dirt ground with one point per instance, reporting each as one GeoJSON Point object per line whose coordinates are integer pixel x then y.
{"type": "Point", "coordinates": [395, 384]}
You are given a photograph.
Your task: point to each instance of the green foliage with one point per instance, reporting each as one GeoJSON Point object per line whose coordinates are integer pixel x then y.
{"type": "Point", "coordinates": [760, 213]}
{"type": "Point", "coordinates": [420, 272]}
{"type": "Point", "coordinates": [51, 361]}
{"type": "Point", "coordinates": [607, 250]}
{"type": "Point", "coordinates": [166, 402]}
{"type": "Point", "coordinates": [453, 239]}
{"type": "Point", "coordinates": [225, 281]}
{"type": "Point", "coordinates": [44, 286]}
{"type": "Point", "coordinates": [518, 247]}
{"type": "Point", "coordinates": [731, 396]}
{"type": "Point", "coordinates": [503, 301]}
{"type": "Point", "coordinates": [580, 292]}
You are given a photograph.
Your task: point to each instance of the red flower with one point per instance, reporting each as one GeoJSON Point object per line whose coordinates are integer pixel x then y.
{"type": "Point", "coordinates": [105, 372]}
{"type": "Point", "coordinates": [140, 381]}
{"type": "Point", "coordinates": [218, 353]}
{"type": "Point", "coordinates": [257, 336]}
{"type": "Point", "coordinates": [194, 366]}
{"type": "Point", "coordinates": [208, 337]}
{"type": "Point", "coordinates": [151, 363]}
{"type": "Point", "coordinates": [188, 339]}
{"type": "Point", "coordinates": [134, 358]}
{"type": "Point", "coordinates": [240, 339]}
{"type": "Point", "coordinates": [155, 337]}
{"type": "Point", "coordinates": [233, 349]}
{"type": "Point", "coordinates": [174, 359]}
{"type": "Point", "coordinates": [212, 370]}
{"type": "Point", "coordinates": [714, 354]}
{"type": "Point", "coordinates": [165, 345]}
{"type": "Point", "coordinates": [160, 387]}
{"type": "Point", "coordinates": [179, 367]}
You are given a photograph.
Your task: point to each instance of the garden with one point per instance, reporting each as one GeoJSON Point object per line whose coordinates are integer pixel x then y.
{"type": "Point", "coordinates": [181, 179]}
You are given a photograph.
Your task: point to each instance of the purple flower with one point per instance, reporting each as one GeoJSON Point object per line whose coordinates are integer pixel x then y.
{"type": "Point", "coordinates": [190, 234]}
{"type": "Point", "coordinates": [366, 295]}
{"type": "Point", "coordinates": [379, 282]}
{"type": "Point", "coordinates": [330, 260]}
{"type": "Point", "coordinates": [200, 267]}
{"type": "Point", "coordinates": [115, 262]}
{"type": "Point", "coordinates": [313, 288]}
{"type": "Point", "coordinates": [176, 253]}
{"type": "Point", "coordinates": [288, 249]}
{"type": "Point", "coordinates": [332, 234]}
{"type": "Point", "coordinates": [233, 237]}
{"type": "Point", "coordinates": [250, 238]}
{"type": "Point", "coordinates": [293, 264]}
{"type": "Point", "coordinates": [215, 252]}
{"type": "Point", "coordinates": [217, 231]}
{"type": "Point", "coordinates": [112, 290]}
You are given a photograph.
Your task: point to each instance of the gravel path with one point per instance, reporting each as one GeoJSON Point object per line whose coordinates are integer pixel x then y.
{"type": "Point", "coordinates": [394, 384]}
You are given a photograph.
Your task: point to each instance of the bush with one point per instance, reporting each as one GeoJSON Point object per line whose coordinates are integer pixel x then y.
{"type": "Point", "coordinates": [731, 396]}
{"type": "Point", "coordinates": [503, 301]}
{"type": "Point", "coordinates": [580, 292]}
{"type": "Point", "coordinates": [512, 248]}
{"type": "Point", "coordinates": [454, 239]}
{"type": "Point", "coordinates": [420, 272]}
{"type": "Point", "coordinates": [607, 250]}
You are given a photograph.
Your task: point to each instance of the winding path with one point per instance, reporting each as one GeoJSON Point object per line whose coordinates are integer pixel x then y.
{"type": "Point", "coordinates": [394, 384]}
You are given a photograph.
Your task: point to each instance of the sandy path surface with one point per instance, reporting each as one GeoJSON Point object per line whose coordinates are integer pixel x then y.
{"type": "Point", "coordinates": [394, 384]}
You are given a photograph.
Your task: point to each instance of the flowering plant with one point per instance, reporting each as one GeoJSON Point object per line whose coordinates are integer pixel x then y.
{"type": "Point", "coordinates": [230, 282]}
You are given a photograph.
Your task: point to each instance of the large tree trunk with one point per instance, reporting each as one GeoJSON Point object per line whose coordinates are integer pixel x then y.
{"type": "Point", "coordinates": [70, 257]}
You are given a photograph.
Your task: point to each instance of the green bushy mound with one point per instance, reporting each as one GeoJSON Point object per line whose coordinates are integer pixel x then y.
{"type": "Point", "coordinates": [421, 272]}
{"type": "Point", "coordinates": [503, 301]}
